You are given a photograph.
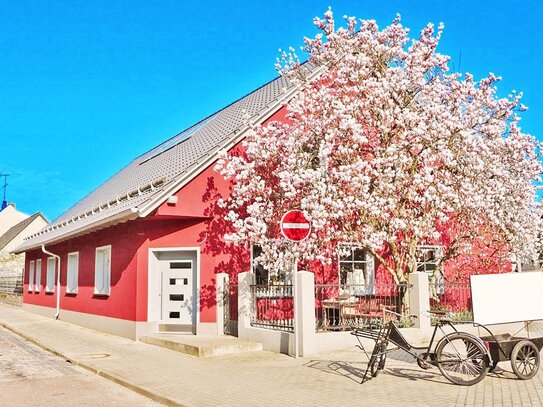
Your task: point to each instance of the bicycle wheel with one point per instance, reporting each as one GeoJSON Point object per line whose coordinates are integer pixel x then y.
{"type": "Point", "coordinates": [462, 359]}
{"type": "Point", "coordinates": [379, 360]}
{"type": "Point", "coordinates": [525, 360]}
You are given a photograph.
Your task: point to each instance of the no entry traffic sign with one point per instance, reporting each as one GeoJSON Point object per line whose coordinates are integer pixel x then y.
{"type": "Point", "coordinates": [295, 226]}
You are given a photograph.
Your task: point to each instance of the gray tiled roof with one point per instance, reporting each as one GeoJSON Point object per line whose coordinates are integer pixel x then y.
{"type": "Point", "coordinates": [161, 166]}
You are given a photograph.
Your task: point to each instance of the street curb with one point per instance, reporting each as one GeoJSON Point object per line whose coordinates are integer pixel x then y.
{"type": "Point", "coordinates": [111, 377]}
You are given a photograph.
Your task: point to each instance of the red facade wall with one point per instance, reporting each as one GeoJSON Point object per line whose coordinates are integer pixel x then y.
{"type": "Point", "coordinates": [124, 240]}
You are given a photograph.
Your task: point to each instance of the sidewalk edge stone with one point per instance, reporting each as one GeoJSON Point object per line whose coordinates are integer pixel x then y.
{"type": "Point", "coordinates": [104, 374]}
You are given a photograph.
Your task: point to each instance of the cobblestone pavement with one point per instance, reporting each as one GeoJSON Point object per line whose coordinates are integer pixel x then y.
{"type": "Point", "coordinates": [268, 379]}
{"type": "Point", "coordinates": [403, 383]}
{"type": "Point", "coordinates": [29, 376]}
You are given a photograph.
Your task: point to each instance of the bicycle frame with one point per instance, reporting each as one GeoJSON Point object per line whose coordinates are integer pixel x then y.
{"type": "Point", "coordinates": [424, 355]}
{"type": "Point", "coordinates": [398, 339]}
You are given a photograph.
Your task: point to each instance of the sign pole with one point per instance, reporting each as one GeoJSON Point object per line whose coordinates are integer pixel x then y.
{"type": "Point", "coordinates": [295, 300]}
{"type": "Point", "coordinates": [295, 227]}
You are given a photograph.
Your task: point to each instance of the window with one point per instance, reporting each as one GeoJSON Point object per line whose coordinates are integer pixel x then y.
{"type": "Point", "coordinates": [261, 274]}
{"type": "Point", "coordinates": [31, 272]}
{"type": "Point", "coordinates": [357, 270]}
{"type": "Point", "coordinates": [73, 273]}
{"type": "Point", "coordinates": [102, 270]}
{"type": "Point", "coordinates": [428, 258]}
{"type": "Point", "coordinates": [37, 280]}
{"type": "Point", "coordinates": [50, 278]}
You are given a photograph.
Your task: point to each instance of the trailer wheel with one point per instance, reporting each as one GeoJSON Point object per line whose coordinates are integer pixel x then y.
{"type": "Point", "coordinates": [525, 360]}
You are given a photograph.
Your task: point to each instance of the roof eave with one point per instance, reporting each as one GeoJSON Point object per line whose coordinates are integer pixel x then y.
{"type": "Point", "coordinates": [121, 217]}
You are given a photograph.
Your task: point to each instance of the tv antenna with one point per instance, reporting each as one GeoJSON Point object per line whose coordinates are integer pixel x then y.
{"type": "Point", "coordinates": [5, 187]}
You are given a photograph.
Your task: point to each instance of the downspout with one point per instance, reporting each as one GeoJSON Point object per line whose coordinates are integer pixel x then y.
{"type": "Point", "coordinates": [58, 278]}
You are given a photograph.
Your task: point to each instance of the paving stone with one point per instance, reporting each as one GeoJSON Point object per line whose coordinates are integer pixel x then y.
{"type": "Point", "coordinates": [268, 379]}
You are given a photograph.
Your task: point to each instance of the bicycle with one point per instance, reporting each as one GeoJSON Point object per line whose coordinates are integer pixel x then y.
{"type": "Point", "coordinates": [462, 358]}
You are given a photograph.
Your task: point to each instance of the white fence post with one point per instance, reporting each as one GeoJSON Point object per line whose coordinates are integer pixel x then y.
{"type": "Point", "coordinates": [222, 284]}
{"type": "Point", "coordinates": [419, 299]}
{"type": "Point", "coordinates": [305, 325]}
{"type": "Point", "coordinates": [245, 303]}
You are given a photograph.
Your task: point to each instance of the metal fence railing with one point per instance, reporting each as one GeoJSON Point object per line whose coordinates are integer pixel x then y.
{"type": "Point", "coordinates": [453, 297]}
{"type": "Point", "coordinates": [273, 307]}
{"type": "Point", "coordinates": [343, 307]}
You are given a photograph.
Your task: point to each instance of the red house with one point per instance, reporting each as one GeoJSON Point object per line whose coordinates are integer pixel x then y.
{"type": "Point", "coordinates": [139, 254]}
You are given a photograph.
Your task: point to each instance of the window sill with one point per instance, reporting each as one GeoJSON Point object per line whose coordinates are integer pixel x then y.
{"type": "Point", "coordinates": [101, 294]}
{"type": "Point", "coordinates": [49, 291]}
{"type": "Point", "coordinates": [71, 292]}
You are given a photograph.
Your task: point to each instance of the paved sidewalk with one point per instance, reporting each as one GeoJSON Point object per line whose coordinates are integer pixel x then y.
{"type": "Point", "coordinates": [264, 378]}
{"type": "Point", "coordinates": [32, 377]}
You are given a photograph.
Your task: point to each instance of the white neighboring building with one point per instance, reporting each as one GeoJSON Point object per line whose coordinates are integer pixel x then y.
{"type": "Point", "coordinates": [14, 227]}
{"type": "Point", "coordinates": [9, 217]}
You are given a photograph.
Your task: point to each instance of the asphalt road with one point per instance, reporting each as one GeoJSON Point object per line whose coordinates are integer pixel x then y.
{"type": "Point", "coordinates": [30, 376]}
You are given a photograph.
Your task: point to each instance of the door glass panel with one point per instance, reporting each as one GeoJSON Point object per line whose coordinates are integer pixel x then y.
{"type": "Point", "coordinates": [181, 265]}
{"type": "Point", "coordinates": [177, 297]}
{"type": "Point", "coordinates": [179, 281]}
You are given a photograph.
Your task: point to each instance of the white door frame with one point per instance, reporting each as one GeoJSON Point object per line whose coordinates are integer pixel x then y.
{"type": "Point", "coordinates": [154, 284]}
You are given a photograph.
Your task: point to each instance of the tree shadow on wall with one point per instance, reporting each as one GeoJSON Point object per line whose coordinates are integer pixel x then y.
{"type": "Point", "coordinates": [227, 257]}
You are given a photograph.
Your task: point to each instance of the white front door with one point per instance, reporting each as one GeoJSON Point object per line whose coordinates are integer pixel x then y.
{"type": "Point", "coordinates": [177, 291]}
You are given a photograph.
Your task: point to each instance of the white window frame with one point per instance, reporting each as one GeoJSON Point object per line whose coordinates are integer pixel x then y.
{"type": "Point", "coordinates": [428, 267]}
{"type": "Point", "coordinates": [31, 275]}
{"type": "Point", "coordinates": [37, 280]}
{"type": "Point", "coordinates": [50, 276]}
{"type": "Point", "coordinates": [102, 272]}
{"type": "Point", "coordinates": [354, 285]}
{"type": "Point", "coordinates": [72, 273]}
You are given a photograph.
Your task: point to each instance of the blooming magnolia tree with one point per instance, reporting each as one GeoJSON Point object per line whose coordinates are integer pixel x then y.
{"type": "Point", "coordinates": [383, 147]}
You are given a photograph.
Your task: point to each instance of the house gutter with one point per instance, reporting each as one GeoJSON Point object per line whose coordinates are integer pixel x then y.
{"type": "Point", "coordinates": [58, 278]}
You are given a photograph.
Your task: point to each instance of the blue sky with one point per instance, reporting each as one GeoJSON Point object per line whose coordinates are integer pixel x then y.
{"type": "Point", "coordinates": [89, 85]}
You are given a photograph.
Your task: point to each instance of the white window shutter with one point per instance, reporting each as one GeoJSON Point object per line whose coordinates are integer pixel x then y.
{"type": "Point", "coordinates": [73, 271]}
{"type": "Point", "coordinates": [37, 280]}
{"type": "Point", "coordinates": [102, 270]}
{"type": "Point", "coordinates": [50, 280]}
{"type": "Point", "coordinates": [107, 270]}
{"type": "Point", "coordinates": [31, 273]}
{"type": "Point", "coordinates": [99, 275]}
